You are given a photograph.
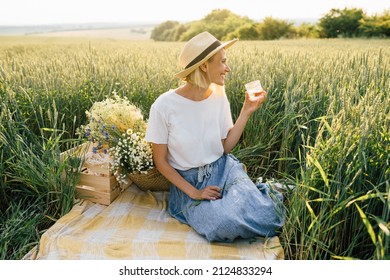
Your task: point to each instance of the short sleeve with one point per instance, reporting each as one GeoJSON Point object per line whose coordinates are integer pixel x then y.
{"type": "Point", "coordinates": [157, 128]}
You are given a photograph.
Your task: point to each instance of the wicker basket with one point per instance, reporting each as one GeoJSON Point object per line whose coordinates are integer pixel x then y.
{"type": "Point", "coordinates": [152, 181]}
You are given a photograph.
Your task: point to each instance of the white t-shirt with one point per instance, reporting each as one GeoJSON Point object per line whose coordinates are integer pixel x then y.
{"type": "Point", "coordinates": [193, 130]}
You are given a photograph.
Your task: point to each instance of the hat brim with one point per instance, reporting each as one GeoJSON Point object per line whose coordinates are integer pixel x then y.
{"type": "Point", "coordinates": [184, 73]}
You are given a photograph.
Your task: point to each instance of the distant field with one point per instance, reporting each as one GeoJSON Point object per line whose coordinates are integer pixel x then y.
{"type": "Point", "coordinates": [110, 33]}
{"type": "Point", "coordinates": [129, 32]}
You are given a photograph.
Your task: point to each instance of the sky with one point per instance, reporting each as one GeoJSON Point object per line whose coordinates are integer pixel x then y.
{"type": "Point", "coordinates": [42, 12]}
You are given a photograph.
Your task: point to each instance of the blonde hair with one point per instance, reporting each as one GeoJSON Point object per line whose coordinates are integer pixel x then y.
{"type": "Point", "coordinates": [197, 78]}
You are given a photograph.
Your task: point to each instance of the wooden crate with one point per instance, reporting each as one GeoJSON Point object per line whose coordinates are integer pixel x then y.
{"type": "Point", "coordinates": [97, 183]}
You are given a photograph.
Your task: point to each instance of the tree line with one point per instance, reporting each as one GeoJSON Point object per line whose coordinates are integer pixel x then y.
{"type": "Point", "coordinates": [226, 25]}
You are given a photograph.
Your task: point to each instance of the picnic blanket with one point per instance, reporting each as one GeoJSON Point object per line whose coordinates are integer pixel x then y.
{"type": "Point", "coordinates": [137, 226]}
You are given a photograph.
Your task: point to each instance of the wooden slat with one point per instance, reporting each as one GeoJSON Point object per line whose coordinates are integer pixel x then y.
{"type": "Point", "coordinates": [97, 182]}
{"type": "Point", "coordinates": [91, 194]}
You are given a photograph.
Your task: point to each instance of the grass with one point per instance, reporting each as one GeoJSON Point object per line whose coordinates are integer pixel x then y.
{"type": "Point", "coordinates": [325, 128]}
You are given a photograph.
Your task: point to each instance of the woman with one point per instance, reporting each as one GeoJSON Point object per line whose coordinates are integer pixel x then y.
{"type": "Point", "coordinates": [192, 133]}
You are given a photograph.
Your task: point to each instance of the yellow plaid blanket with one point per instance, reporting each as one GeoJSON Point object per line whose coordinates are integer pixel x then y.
{"type": "Point", "coordinates": [137, 226]}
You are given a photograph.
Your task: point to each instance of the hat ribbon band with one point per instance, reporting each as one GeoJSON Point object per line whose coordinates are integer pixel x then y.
{"type": "Point", "coordinates": [203, 54]}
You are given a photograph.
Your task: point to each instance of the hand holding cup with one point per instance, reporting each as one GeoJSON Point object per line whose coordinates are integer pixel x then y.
{"type": "Point", "coordinates": [254, 90]}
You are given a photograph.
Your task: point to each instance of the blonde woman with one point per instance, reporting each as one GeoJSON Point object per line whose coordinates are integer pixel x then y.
{"type": "Point", "coordinates": [192, 133]}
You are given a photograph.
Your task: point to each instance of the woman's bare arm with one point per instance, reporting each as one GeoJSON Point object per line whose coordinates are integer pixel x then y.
{"type": "Point", "coordinates": [236, 131]}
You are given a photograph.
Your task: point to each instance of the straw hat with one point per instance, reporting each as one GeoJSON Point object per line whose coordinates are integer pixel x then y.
{"type": "Point", "coordinates": [198, 50]}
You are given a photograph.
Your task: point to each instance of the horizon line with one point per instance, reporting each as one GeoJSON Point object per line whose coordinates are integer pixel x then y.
{"type": "Point", "coordinates": [127, 22]}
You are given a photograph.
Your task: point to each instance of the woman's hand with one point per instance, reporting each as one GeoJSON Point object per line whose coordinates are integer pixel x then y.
{"type": "Point", "coordinates": [208, 193]}
{"type": "Point", "coordinates": [251, 106]}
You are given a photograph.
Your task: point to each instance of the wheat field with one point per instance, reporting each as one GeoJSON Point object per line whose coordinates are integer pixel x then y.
{"type": "Point", "coordinates": [324, 128]}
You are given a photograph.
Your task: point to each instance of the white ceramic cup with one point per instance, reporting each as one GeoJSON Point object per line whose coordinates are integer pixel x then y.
{"type": "Point", "coordinates": [254, 89]}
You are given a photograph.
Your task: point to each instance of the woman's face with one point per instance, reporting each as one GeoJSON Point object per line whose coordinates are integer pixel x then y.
{"type": "Point", "coordinates": [217, 68]}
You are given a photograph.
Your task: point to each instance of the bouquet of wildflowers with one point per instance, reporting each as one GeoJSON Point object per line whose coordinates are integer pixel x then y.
{"type": "Point", "coordinates": [110, 119]}
{"type": "Point", "coordinates": [117, 124]}
{"type": "Point", "coordinates": [132, 154]}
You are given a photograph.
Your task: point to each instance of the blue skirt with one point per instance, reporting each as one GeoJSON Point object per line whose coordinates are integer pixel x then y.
{"type": "Point", "coordinates": [244, 210]}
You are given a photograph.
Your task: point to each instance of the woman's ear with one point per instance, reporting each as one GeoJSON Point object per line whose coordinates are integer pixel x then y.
{"type": "Point", "coordinates": [203, 67]}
